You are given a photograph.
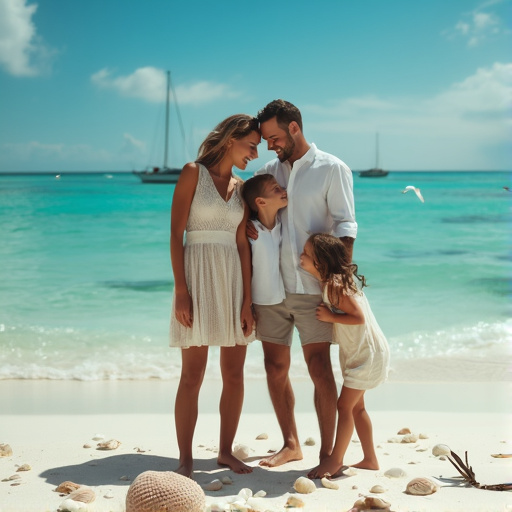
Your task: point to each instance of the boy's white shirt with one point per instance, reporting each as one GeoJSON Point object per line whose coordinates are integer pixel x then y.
{"type": "Point", "coordinates": [267, 283]}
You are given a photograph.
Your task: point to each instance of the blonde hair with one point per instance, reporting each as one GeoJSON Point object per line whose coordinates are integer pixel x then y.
{"type": "Point", "coordinates": [214, 147]}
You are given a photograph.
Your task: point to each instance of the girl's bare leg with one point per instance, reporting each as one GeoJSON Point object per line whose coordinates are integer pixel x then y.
{"type": "Point", "coordinates": [346, 404]}
{"type": "Point", "coordinates": [232, 361]}
{"type": "Point", "coordinates": [364, 431]}
{"type": "Point", "coordinates": [185, 408]}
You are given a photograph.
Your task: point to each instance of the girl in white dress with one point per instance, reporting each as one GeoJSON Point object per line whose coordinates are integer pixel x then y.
{"type": "Point", "coordinates": [364, 351]}
{"type": "Point", "coordinates": [212, 281]}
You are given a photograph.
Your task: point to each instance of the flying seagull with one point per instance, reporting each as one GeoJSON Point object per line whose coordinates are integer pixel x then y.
{"type": "Point", "coordinates": [416, 191]}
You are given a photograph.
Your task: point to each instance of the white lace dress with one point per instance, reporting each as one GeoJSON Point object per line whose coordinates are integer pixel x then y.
{"type": "Point", "coordinates": [364, 350]}
{"type": "Point", "coordinates": [212, 269]}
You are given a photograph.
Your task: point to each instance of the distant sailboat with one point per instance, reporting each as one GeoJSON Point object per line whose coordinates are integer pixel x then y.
{"type": "Point", "coordinates": [163, 174]}
{"type": "Point", "coordinates": [376, 172]}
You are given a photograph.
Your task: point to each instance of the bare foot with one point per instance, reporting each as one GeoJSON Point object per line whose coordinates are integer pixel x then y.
{"type": "Point", "coordinates": [185, 469]}
{"type": "Point", "coordinates": [236, 465]}
{"type": "Point", "coordinates": [282, 457]}
{"type": "Point", "coordinates": [329, 467]}
{"type": "Point", "coordinates": [372, 464]}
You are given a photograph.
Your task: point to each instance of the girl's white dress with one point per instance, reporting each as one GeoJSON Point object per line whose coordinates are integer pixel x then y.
{"type": "Point", "coordinates": [212, 269]}
{"type": "Point", "coordinates": [364, 350]}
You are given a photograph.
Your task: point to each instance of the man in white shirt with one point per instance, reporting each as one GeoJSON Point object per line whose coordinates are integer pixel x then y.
{"type": "Point", "coordinates": [320, 199]}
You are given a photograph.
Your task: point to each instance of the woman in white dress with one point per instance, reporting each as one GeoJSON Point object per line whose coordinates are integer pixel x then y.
{"type": "Point", "coordinates": [364, 351]}
{"type": "Point", "coordinates": [212, 281]}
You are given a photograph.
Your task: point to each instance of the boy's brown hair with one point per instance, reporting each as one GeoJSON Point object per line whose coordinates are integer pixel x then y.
{"type": "Point", "coordinates": [253, 188]}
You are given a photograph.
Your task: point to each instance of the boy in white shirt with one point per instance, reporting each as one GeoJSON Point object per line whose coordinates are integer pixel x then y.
{"type": "Point", "coordinates": [265, 197]}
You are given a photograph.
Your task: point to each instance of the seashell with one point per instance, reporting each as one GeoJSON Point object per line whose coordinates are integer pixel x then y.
{"type": "Point", "coordinates": [226, 480]}
{"type": "Point", "coordinates": [350, 472]}
{"type": "Point", "coordinates": [423, 449]}
{"type": "Point", "coordinates": [329, 484]}
{"type": "Point", "coordinates": [293, 502]}
{"type": "Point", "coordinates": [501, 455]}
{"type": "Point", "coordinates": [410, 438]}
{"type": "Point", "coordinates": [87, 445]}
{"type": "Point", "coordinates": [310, 442]}
{"type": "Point", "coordinates": [395, 473]}
{"type": "Point", "coordinates": [67, 487]}
{"type": "Point", "coordinates": [5, 450]}
{"type": "Point", "coordinates": [12, 477]}
{"type": "Point", "coordinates": [214, 485]}
{"type": "Point", "coordinates": [377, 489]}
{"type": "Point", "coordinates": [24, 467]}
{"type": "Point", "coordinates": [304, 485]}
{"type": "Point", "coordinates": [423, 436]}
{"type": "Point", "coordinates": [72, 506]}
{"type": "Point", "coordinates": [124, 478]}
{"type": "Point", "coordinates": [370, 502]}
{"type": "Point", "coordinates": [355, 487]}
{"type": "Point", "coordinates": [98, 437]}
{"type": "Point", "coordinates": [245, 493]}
{"type": "Point", "coordinates": [262, 436]}
{"type": "Point", "coordinates": [404, 431]}
{"type": "Point", "coordinates": [421, 487]}
{"type": "Point", "coordinates": [164, 490]}
{"type": "Point", "coordinates": [394, 440]}
{"type": "Point", "coordinates": [83, 494]}
{"type": "Point", "coordinates": [112, 444]}
{"type": "Point", "coordinates": [441, 449]}
{"type": "Point", "coordinates": [241, 452]}
{"type": "Point", "coordinates": [260, 494]}
{"type": "Point", "coordinates": [108, 495]}
{"type": "Point", "coordinates": [442, 457]}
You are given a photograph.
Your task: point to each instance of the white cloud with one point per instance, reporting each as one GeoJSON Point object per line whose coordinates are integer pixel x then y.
{"type": "Point", "coordinates": [22, 53]}
{"type": "Point", "coordinates": [476, 26]}
{"type": "Point", "coordinates": [149, 84]}
{"type": "Point", "coordinates": [132, 142]}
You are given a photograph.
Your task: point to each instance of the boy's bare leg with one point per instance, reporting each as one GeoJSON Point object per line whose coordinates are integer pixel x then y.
{"type": "Point", "coordinates": [318, 360]}
{"type": "Point", "coordinates": [277, 365]}
{"type": "Point", "coordinates": [232, 361]}
{"type": "Point", "coordinates": [185, 408]}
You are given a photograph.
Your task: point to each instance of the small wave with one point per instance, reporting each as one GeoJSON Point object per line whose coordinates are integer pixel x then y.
{"type": "Point", "coordinates": [141, 286]}
{"type": "Point", "coordinates": [473, 219]}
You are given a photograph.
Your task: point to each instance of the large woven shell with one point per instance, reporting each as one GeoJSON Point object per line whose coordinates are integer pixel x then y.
{"type": "Point", "coordinates": [164, 491]}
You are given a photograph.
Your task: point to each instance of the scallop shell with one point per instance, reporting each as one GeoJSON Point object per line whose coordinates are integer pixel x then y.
{"type": "Point", "coordinates": [241, 452]}
{"type": "Point", "coordinates": [304, 485]}
{"type": "Point", "coordinates": [410, 438]}
{"type": "Point", "coordinates": [24, 467]}
{"type": "Point", "coordinates": [83, 494]}
{"type": "Point", "coordinates": [377, 489]}
{"type": "Point", "coordinates": [404, 431]}
{"type": "Point", "coordinates": [293, 502]}
{"type": "Point", "coordinates": [395, 473]}
{"type": "Point", "coordinates": [111, 444]}
{"type": "Point", "coordinates": [5, 450]}
{"type": "Point", "coordinates": [421, 487]}
{"type": "Point", "coordinates": [310, 442]}
{"type": "Point", "coordinates": [329, 484]}
{"type": "Point", "coordinates": [441, 449]}
{"type": "Point", "coordinates": [67, 487]}
{"type": "Point", "coordinates": [262, 436]}
{"type": "Point", "coordinates": [214, 485]}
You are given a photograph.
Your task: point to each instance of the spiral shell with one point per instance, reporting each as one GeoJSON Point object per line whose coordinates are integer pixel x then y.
{"type": "Point", "coordinates": [421, 487]}
{"type": "Point", "coordinates": [304, 485]}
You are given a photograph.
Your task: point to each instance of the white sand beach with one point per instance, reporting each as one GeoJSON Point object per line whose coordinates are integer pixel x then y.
{"type": "Point", "coordinates": [47, 424]}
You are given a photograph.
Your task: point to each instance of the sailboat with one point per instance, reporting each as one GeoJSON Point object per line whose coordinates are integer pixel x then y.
{"type": "Point", "coordinates": [163, 174]}
{"type": "Point", "coordinates": [376, 172]}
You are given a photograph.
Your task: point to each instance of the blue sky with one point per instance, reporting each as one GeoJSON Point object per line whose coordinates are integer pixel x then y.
{"type": "Point", "coordinates": [82, 83]}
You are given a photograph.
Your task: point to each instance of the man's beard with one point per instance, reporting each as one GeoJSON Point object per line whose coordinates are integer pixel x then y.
{"type": "Point", "coordinates": [288, 150]}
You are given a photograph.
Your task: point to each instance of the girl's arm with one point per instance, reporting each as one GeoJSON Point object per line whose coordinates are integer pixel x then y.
{"type": "Point", "coordinates": [244, 251]}
{"type": "Point", "coordinates": [353, 314]}
{"type": "Point", "coordinates": [181, 201]}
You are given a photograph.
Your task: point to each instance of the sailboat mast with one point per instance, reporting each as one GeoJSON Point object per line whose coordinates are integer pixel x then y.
{"type": "Point", "coordinates": [166, 141]}
{"type": "Point", "coordinates": [377, 150]}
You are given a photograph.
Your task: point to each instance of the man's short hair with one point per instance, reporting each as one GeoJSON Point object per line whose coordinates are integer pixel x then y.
{"type": "Point", "coordinates": [284, 111]}
{"type": "Point", "coordinates": [253, 188]}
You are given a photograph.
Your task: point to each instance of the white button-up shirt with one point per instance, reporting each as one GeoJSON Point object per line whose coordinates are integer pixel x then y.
{"type": "Point", "coordinates": [320, 200]}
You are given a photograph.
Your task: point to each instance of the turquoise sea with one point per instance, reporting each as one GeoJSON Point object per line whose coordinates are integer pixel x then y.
{"type": "Point", "coordinates": [86, 280]}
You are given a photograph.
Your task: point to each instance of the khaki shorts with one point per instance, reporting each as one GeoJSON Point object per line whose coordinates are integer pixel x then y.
{"type": "Point", "coordinates": [275, 323]}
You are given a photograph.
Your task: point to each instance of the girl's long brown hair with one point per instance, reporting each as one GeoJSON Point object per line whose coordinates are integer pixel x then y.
{"type": "Point", "coordinates": [334, 267]}
{"type": "Point", "coordinates": [214, 147]}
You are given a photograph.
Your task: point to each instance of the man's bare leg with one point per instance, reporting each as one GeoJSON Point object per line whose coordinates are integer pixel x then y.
{"type": "Point", "coordinates": [277, 365]}
{"type": "Point", "coordinates": [318, 359]}
{"type": "Point", "coordinates": [232, 361]}
{"type": "Point", "coordinates": [185, 409]}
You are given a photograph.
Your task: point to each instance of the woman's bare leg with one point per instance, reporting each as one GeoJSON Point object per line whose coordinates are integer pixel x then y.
{"type": "Point", "coordinates": [193, 365]}
{"type": "Point", "coordinates": [232, 361]}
